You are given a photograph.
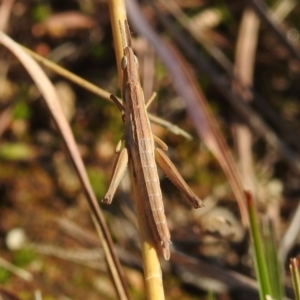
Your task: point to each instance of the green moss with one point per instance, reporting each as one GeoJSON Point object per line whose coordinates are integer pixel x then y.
{"type": "Point", "coordinates": [21, 110]}
{"type": "Point", "coordinates": [15, 151]}
{"type": "Point", "coordinates": [100, 52]}
{"type": "Point", "coordinates": [98, 181]}
{"type": "Point", "coordinates": [160, 71]}
{"type": "Point", "coordinates": [4, 275]}
{"type": "Point", "coordinates": [40, 12]}
{"type": "Point", "coordinates": [23, 257]}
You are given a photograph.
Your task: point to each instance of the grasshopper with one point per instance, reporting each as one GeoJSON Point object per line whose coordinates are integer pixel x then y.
{"type": "Point", "coordinates": [140, 150]}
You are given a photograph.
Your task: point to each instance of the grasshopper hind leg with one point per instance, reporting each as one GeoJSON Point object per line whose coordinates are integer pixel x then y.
{"type": "Point", "coordinates": [172, 173]}
{"type": "Point", "coordinates": [160, 143]}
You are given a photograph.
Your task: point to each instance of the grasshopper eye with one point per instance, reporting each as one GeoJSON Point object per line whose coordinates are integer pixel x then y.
{"type": "Point", "coordinates": [124, 62]}
{"type": "Point", "coordinates": [136, 61]}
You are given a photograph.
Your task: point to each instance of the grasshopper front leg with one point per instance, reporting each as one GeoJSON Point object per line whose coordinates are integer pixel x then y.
{"type": "Point", "coordinates": [121, 162]}
{"type": "Point", "coordinates": [172, 173]}
{"type": "Point", "coordinates": [118, 173]}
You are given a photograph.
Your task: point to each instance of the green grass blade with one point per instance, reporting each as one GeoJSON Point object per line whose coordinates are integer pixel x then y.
{"type": "Point", "coordinates": [295, 272]}
{"type": "Point", "coordinates": [274, 269]}
{"type": "Point", "coordinates": [210, 295]}
{"type": "Point", "coordinates": [259, 256]}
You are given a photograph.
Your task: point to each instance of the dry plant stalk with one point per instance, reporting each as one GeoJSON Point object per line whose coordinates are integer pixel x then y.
{"type": "Point", "coordinates": [140, 150]}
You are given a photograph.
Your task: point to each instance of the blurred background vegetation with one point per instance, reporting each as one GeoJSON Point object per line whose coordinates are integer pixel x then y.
{"type": "Point", "coordinates": [47, 239]}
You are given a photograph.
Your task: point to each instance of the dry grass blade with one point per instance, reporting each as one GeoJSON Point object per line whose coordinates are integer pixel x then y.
{"type": "Point", "coordinates": [53, 103]}
{"type": "Point", "coordinates": [5, 114]}
{"type": "Point", "coordinates": [282, 9]}
{"type": "Point", "coordinates": [243, 69]}
{"type": "Point", "coordinates": [207, 128]}
{"type": "Point", "coordinates": [245, 49]}
{"type": "Point", "coordinates": [186, 86]}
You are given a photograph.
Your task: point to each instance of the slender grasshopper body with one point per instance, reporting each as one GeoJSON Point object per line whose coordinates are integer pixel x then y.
{"type": "Point", "coordinates": [141, 152]}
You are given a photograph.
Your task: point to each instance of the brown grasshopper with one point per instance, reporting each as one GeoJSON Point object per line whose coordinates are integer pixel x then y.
{"type": "Point", "coordinates": [140, 150]}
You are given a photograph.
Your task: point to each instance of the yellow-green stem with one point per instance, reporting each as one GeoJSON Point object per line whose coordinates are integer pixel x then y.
{"type": "Point", "coordinates": [151, 265]}
{"type": "Point", "coordinates": [152, 270]}
{"type": "Point", "coordinates": [117, 11]}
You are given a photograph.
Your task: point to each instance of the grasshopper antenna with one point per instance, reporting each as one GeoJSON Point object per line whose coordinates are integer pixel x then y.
{"type": "Point", "coordinates": [123, 35]}
{"type": "Point", "coordinates": [128, 35]}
